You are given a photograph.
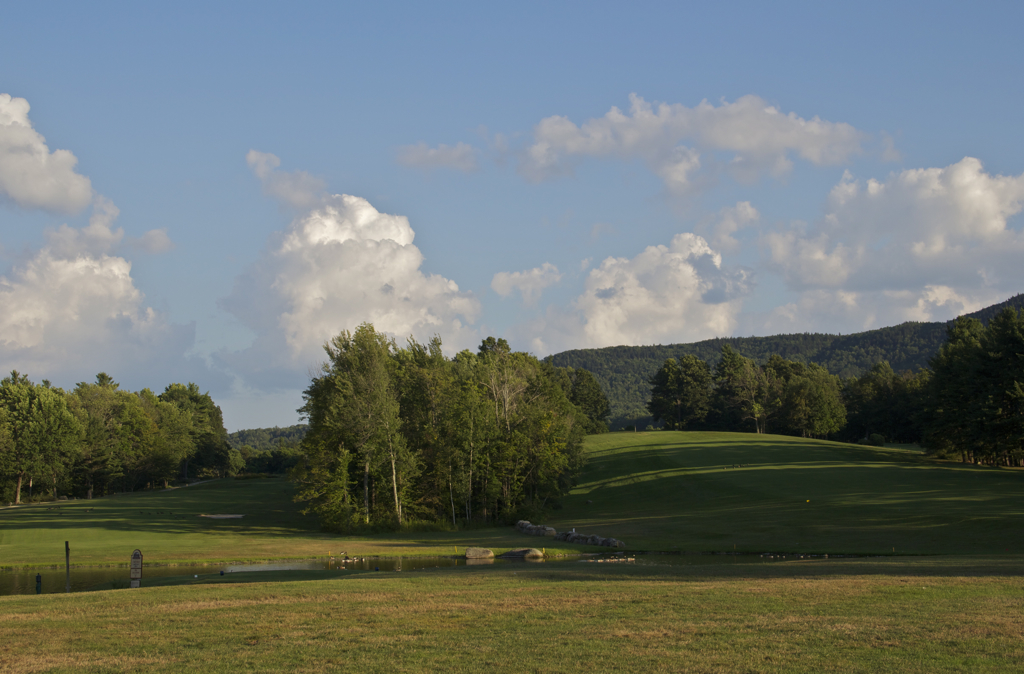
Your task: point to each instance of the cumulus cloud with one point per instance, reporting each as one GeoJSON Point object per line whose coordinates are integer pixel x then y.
{"type": "Point", "coordinates": [530, 283]}
{"type": "Point", "coordinates": [337, 265]}
{"type": "Point", "coordinates": [921, 245]}
{"type": "Point", "coordinates": [297, 189]}
{"type": "Point", "coordinates": [666, 294]}
{"type": "Point", "coordinates": [846, 312]}
{"type": "Point", "coordinates": [71, 310]}
{"type": "Point", "coordinates": [462, 157]}
{"type": "Point", "coordinates": [153, 241]}
{"type": "Point", "coordinates": [728, 222]}
{"type": "Point", "coordinates": [757, 138]}
{"type": "Point", "coordinates": [30, 175]}
{"type": "Point", "coordinates": [937, 226]}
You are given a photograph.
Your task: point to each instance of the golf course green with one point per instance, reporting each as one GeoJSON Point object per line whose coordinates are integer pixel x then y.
{"type": "Point", "coordinates": [936, 588]}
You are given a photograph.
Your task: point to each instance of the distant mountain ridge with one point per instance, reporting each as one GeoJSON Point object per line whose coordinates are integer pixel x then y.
{"type": "Point", "coordinates": [624, 372]}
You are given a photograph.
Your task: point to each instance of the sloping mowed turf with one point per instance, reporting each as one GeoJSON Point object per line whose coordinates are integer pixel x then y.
{"type": "Point", "coordinates": [168, 528]}
{"type": "Point", "coordinates": [166, 525]}
{"type": "Point", "coordinates": [694, 492]}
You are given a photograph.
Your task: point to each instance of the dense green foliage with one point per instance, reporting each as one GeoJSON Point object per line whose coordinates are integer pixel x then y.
{"type": "Point", "coordinates": [969, 405]}
{"type": "Point", "coordinates": [99, 439]}
{"type": "Point", "coordinates": [976, 394]}
{"type": "Point", "coordinates": [625, 372]}
{"type": "Point", "coordinates": [788, 396]}
{"type": "Point", "coordinates": [266, 439]}
{"type": "Point", "coordinates": [404, 434]}
{"type": "Point", "coordinates": [269, 450]}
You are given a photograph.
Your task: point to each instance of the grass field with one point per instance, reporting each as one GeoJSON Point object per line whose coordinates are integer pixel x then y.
{"type": "Point", "coordinates": [167, 526]}
{"type": "Point", "coordinates": [713, 491]}
{"type": "Point", "coordinates": [868, 615]}
{"type": "Point", "coordinates": [963, 611]}
{"type": "Point", "coordinates": [668, 491]}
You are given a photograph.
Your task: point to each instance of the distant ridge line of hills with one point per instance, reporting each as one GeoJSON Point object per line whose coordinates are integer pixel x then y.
{"type": "Point", "coordinates": [624, 372]}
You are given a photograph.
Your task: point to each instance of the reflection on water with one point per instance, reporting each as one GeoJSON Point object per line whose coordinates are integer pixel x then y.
{"type": "Point", "coordinates": [53, 580]}
{"type": "Point", "coordinates": [24, 581]}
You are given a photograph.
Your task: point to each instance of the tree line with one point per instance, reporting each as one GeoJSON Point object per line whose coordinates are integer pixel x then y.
{"type": "Point", "coordinates": [98, 439]}
{"type": "Point", "coordinates": [968, 404]}
{"type": "Point", "coordinates": [625, 372]}
{"type": "Point", "coordinates": [401, 435]}
{"type": "Point", "coordinates": [781, 396]}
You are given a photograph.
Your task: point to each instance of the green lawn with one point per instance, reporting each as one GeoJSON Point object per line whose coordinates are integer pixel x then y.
{"type": "Point", "coordinates": [963, 611]}
{"type": "Point", "coordinates": [683, 491]}
{"type": "Point", "coordinates": [671, 491]}
{"type": "Point", "coordinates": [168, 528]}
{"type": "Point", "coordinates": [909, 615]}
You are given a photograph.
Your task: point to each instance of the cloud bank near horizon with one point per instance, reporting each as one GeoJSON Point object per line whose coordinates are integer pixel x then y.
{"type": "Point", "coordinates": [71, 307]}
{"type": "Point", "coordinates": [920, 244]}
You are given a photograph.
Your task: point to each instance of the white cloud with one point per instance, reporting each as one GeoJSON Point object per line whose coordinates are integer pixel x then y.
{"type": "Point", "coordinates": [757, 137]}
{"type": "Point", "coordinates": [729, 221]}
{"type": "Point", "coordinates": [71, 310]}
{"type": "Point", "coordinates": [153, 241]}
{"type": "Point", "coordinates": [461, 157]}
{"type": "Point", "coordinates": [849, 311]}
{"type": "Point", "coordinates": [297, 188]}
{"type": "Point", "coordinates": [938, 226]}
{"type": "Point", "coordinates": [666, 294]}
{"type": "Point", "coordinates": [337, 265]}
{"type": "Point", "coordinates": [530, 283]}
{"type": "Point", "coordinates": [922, 245]}
{"type": "Point", "coordinates": [30, 175]}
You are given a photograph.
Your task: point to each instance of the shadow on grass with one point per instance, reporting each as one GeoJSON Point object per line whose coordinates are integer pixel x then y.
{"type": "Point", "coordinates": [267, 506]}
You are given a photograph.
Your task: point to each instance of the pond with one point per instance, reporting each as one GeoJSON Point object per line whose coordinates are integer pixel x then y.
{"type": "Point", "coordinates": [23, 581]}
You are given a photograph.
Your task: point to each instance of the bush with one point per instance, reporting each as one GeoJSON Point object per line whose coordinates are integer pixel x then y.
{"type": "Point", "coordinates": [876, 440]}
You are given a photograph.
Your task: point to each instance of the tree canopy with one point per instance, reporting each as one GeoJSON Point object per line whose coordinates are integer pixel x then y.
{"type": "Point", "coordinates": [402, 434]}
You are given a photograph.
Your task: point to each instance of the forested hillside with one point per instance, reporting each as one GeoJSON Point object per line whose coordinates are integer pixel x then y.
{"type": "Point", "coordinates": [625, 372]}
{"type": "Point", "coordinates": [267, 439]}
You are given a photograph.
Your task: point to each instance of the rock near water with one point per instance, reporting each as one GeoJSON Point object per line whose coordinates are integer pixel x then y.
{"type": "Point", "coordinates": [526, 527]}
{"type": "Point", "coordinates": [479, 553]}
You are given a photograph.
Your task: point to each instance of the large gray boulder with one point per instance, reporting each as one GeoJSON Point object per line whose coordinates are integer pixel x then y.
{"type": "Point", "coordinates": [523, 553]}
{"type": "Point", "coordinates": [479, 553]}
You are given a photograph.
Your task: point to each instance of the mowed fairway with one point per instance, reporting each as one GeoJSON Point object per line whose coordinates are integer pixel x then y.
{"type": "Point", "coordinates": [868, 615]}
{"type": "Point", "coordinates": [724, 491]}
{"type": "Point", "coordinates": [962, 611]}
{"type": "Point", "coordinates": [169, 528]}
{"type": "Point", "coordinates": [659, 491]}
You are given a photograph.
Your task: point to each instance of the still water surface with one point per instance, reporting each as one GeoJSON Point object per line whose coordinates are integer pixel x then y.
{"type": "Point", "coordinates": [82, 579]}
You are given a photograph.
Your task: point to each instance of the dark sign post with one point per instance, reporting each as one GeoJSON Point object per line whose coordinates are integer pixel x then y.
{"type": "Point", "coordinates": [67, 564]}
{"type": "Point", "coordinates": [136, 569]}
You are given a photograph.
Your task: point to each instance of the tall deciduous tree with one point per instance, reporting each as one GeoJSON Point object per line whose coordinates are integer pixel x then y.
{"type": "Point", "coordinates": [586, 394]}
{"type": "Point", "coordinates": [212, 453]}
{"type": "Point", "coordinates": [39, 433]}
{"type": "Point", "coordinates": [411, 433]}
{"type": "Point", "coordinates": [681, 393]}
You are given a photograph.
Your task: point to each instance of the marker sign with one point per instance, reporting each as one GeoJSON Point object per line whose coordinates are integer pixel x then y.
{"type": "Point", "coordinates": [136, 569]}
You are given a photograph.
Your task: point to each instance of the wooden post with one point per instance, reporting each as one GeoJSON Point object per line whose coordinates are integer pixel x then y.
{"type": "Point", "coordinates": [67, 565]}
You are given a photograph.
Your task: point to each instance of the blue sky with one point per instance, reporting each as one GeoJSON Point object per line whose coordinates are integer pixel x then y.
{"type": "Point", "coordinates": [563, 175]}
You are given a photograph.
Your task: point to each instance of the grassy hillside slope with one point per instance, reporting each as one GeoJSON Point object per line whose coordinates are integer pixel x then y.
{"type": "Point", "coordinates": [683, 491]}
{"type": "Point", "coordinates": [656, 491]}
{"type": "Point", "coordinates": [167, 526]}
